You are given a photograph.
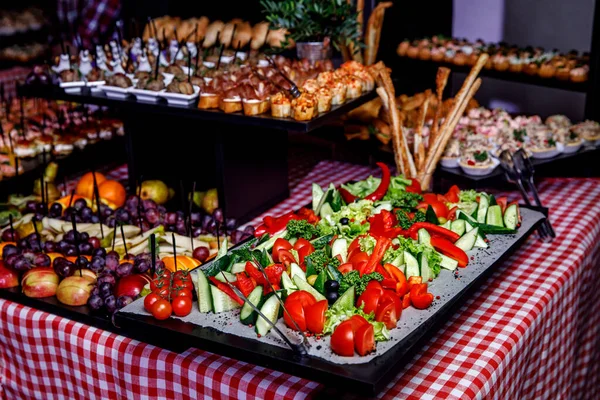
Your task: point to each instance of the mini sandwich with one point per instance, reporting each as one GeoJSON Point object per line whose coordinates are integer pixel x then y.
{"type": "Point", "coordinates": [210, 96]}
{"type": "Point", "coordinates": [338, 91]}
{"type": "Point", "coordinates": [255, 100]}
{"type": "Point", "coordinates": [325, 78]}
{"type": "Point", "coordinates": [231, 101]}
{"type": "Point", "coordinates": [63, 145]}
{"type": "Point", "coordinates": [304, 108]}
{"type": "Point", "coordinates": [353, 86]}
{"type": "Point", "coordinates": [324, 99]}
{"type": "Point", "coordinates": [25, 148]}
{"type": "Point", "coordinates": [281, 106]}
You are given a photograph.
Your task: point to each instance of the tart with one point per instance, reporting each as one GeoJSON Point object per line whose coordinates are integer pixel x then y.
{"type": "Point", "coordinates": [281, 106]}
{"type": "Point", "coordinates": [323, 100]}
{"type": "Point", "coordinates": [304, 108]}
{"type": "Point", "coordinates": [579, 74]}
{"type": "Point", "coordinates": [547, 70]}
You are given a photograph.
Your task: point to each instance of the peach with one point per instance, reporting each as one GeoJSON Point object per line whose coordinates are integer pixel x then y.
{"type": "Point", "coordinates": [39, 282]}
{"type": "Point", "coordinates": [75, 290]}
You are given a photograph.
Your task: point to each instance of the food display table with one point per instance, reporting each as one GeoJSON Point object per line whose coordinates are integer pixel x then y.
{"type": "Point", "coordinates": [532, 330]}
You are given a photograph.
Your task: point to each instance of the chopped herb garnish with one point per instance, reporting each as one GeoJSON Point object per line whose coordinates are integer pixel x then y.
{"type": "Point", "coordinates": [519, 135]}
{"type": "Point", "coordinates": [480, 156]}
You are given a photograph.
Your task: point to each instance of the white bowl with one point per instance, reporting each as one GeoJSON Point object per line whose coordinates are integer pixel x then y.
{"type": "Point", "coordinates": [178, 99]}
{"type": "Point", "coordinates": [145, 96]}
{"type": "Point", "coordinates": [115, 92]}
{"type": "Point", "coordinates": [72, 87]}
{"type": "Point", "coordinates": [549, 153]}
{"type": "Point", "coordinates": [263, 63]}
{"type": "Point", "coordinates": [573, 147]}
{"type": "Point", "coordinates": [208, 64]}
{"type": "Point", "coordinates": [592, 142]}
{"type": "Point", "coordinates": [226, 59]}
{"type": "Point", "coordinates": [449, 162]}
{"type": "Point", "coordinates": [241, 56]}
{"type": "Point", "coordinates": [478, 171]}
{"type": "Point", "coordinates": [95, 86]}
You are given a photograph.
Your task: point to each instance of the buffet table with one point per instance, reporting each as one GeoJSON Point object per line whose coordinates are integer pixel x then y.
{"type": "Point", "coordinates": [531, 331]}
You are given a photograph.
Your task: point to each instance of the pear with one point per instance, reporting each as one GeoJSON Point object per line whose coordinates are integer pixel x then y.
{"type": "Point", "coordinates": [210, 202]}
{"type": "Point", "coordinates": [198, 198]}
{"type": "Point", "coordinates": [155, 190]}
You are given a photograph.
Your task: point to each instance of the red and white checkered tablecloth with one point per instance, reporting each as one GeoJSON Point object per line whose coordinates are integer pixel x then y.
{"type": "Point", "coordinates": [531, 331]}
{"type": "Point", "coordinates": [9, 78]}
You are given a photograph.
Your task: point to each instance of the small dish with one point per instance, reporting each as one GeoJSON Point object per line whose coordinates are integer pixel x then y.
{"type": "Point", "coordinates": [145, 96]}
{"type": "Point", "coordinates": [547, 153]}
{"type": "Point", "coordinates": [95, 85]}
{"type": "Point", "coordinates": [570, 148]}
{"type": "Point", "coordinates": [177, 99]}
{"type": "Point", "coordinates": [449, 162]}
{"type": "Point", "coordinates": [115, 92]}
{"type": "Point", "coordinates": [72, 87]}
{"type": "Point", "coordinates": [474, 170]}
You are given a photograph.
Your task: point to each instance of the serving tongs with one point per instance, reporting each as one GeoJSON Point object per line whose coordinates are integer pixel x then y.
{"type": "Point", "coordinates": [294, 91]}
{"type": "Point", "coordinates": [516, 171]}
{"type": "Point", "coordinates": [262, 77]}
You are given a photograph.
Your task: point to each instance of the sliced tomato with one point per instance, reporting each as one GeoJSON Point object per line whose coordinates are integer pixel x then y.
{"type": "Point", "coordinates": [353, 246]}
{"type": "Point", "coordinates": [295, 311]}
{"type": "Point", "coordinates": [303, 297]}
{"type": "Point", "coordinates": [429, 198]}
{"type": "Point", "coordinates": [364, 339]}
{"type": "Point", "coordinates": [440, 209]}
{"type": "Point", "coordinates": [389, 283]}
{"type": "Point", "coordinates": [274, 273]}
{"type": "Point", "coordinates": [369, 300]}
{"type": "Point", "coordinates": [280, 244]}
{"type": "Point", "coordinates": [315, 316]}
{"type": "Point", "coordinates": [345, 268]}
{"type": "Point", "coordinates": [442, 198]}
{"type": "Point", "coordinates": [452, 194]}
{"type": "Point", "coordinates": [419, 297]}
{"type": "Point", "coordinates": [358, 321]}
{"type": "Point", "coordinates": [414, 280]}
{"type": "Point", "coordinates": [502, 202]}
{"type": "Point", "coordinates": [358, 257]}
{"type": "Point", "coordinates": [386, 313]}
{"type": "Point", "coordinates": [374, 285]}
{"type": "Point", "coordinates": [285, 257]}
{"type": "Point", "coordinates": [406, 300]}
{"type": "Point", "coordinates": [452, 213]}
{"type": "Point", "coordinates": [415, 186]}
{"type": "Point", "coordinates": [342, 339]}
{"type": "Point", "coordinates": [389, 296]}
{"type": "Point", "coordinates": [225, 288]}
{"type": "Point", "coordinates": [304, 249]}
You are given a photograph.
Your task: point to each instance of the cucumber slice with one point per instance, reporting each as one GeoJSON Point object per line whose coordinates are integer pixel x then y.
{"type": "Point", "coordinates": [303, 285]}
{"type": "Point", "coordinates": [511, 216]}
{"type": "Point", "coordinates": [222, 249]}
{"type": "Point", "coordinates": [340, 246]}
{"type": "Point", "coordinates": [494, 216]}
{"type": "Point", "coordinates": [468, 207]}
{"type": "Point", "coordinates": [398, 262]}
{"type": "Point", "coordinates": [430, 216]}
{"type": "Point", "coordinates": [326, 210]}
{"type": "Point", "coordinates": [425, 271]}
{"type": "Point", "coordinates": [345, 301]}
{"type": "Point", "coordinates": [482, 209]}
{"type": "Point", "coordinates": [467, 241]}
{"type": "Point", "coordinates": [295, 270]}
{"type": "Point", "coordinates": [225, 277]}
{"type": "Point", "coordinates": [238, 267]}
{"type": "Point", "coordinates": [458, 227]}
{"type": "Point", "coordinates": [493, 200]}
{"type": "Point", "coordinates": [317, 194]}
{"type": "Point", "coordinates": [269, 243]}
{"type": "Point", "coordinates": [221, 301]}
{"type": "Point", "coordinates": [447, 224]}
{"type": "Point", "coordinates": [270, 309]}
{"type": "Point", "coordinates": [248, 315]}
{"type": "Point", "coordinates": [287, 284]}
{"type": "Point", "coordinates": [203, 292]}
{"type": "Point", "coordinates": [468, 226]}
{"type": "Point", "coordinates": [412, 265]}
{"type": "Point", "coordinates": [480, 242]}
{"type": "Point", "coordinates": [448, 263]}
{"type": "Point", "coordinates": [424, 237]}
{"type": "Point", "coordinates": [468, 218]}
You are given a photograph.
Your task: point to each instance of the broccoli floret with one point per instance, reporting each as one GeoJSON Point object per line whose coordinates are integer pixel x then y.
{"type": "Point", "coordinates": [406, 222]}
{"type": "Point", "coordinates": [319, 260]}
{"type": "Point", "coordinates": [353, 278]}
{"type": "Point", "coordinates": [301, 229]}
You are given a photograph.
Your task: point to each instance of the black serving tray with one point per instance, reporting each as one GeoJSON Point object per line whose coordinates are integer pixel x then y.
{"type": "Point", "coordinates": [192, 111]}
{"type": "Point", "coordinates": [366, 379]}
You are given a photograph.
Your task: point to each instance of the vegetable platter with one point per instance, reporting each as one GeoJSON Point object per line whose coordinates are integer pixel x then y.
{"type": "Point", "coordinates": [345, 290]}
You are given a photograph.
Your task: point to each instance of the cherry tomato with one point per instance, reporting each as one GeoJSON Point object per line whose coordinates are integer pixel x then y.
{"type": "Point", "coordinates": [163, 292]}
{"type": "Point", "coordinates": [164, 273]}
{"type": "Point", "coordinates": [302, 243]}
{"type": "Point", "coordinates": [295, 312]}
{"type": "Point", "coordinates": [354, 246]}
{"type": "Point", "coordinates": [184, 283]}
{"type": "Point", "coordinates": [419, 297]}
{"type": "Point", "coordinates": [285, 257]}
{"type": "Point", "coordinates": [304, 252]}
{"type": "Point", "coordinates": [386, 313]}
{"type": "Point", "coordinates": [280, 244]}
{"type": "Point", "coordinates": [364, 339]}
{"type": "Point", "coordinates": [440, 209]}
{"type": "Point", "coordinates": [342, 339]}
{"type": "Point", "coordinates": [182, 306]}
{"type": "Point", "coordinates": [370, 299]}
{"type": "Point", "coordinates": [389, 296]}
{"type": "Point", "coordinates": [159, 282]}
{"type": "Point", "coordinates": [452, 213]}
{"type": "Point", "coordinates": [182, 293]}
{"type": "Point", "coordinates": [345, 268]}
{"type": "Point", "coordinates": [162, 309]}
{"type": "Point", "coordinates": [149, 301]}
{"type": "Point", "coordinates": [315, 316]}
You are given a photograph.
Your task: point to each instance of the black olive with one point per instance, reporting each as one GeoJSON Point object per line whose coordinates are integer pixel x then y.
{"type": "Point", "coordinates": [344, 221]}
{"type": "Point", "coordinates": [331, 297]}
{"type": "Point", "coordinates": [332, 286]}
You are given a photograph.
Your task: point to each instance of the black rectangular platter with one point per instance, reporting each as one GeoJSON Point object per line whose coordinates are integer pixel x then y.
{"type": "Point", "coordinates": [191, 111]}
{"type": "Point", "coordinates": [366, 379]}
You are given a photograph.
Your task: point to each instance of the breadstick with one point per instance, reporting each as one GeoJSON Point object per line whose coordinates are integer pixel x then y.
{"type": "Point", "coordinates": [446, 133]}
{"type": "Point", "coordinates": [355, 53]}
{"type": "Point", "coordinates": [441, 80]}
{"type": "Point", "coordinates": [373, 33]}
{"type": "Point", "coordinates": [419, 146]}
{"type": "Point", "coordinates": [434, 145]}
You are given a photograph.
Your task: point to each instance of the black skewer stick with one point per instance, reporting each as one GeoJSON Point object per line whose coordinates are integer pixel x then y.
{"type": "Point", "coordinates": [76, 238]}
{"type": "Point", "coordinates": [97, 196]}
{"type": "Point", "coordinates": [47, 201]}
{"type": "Point", "coordinates": [42, 189]}
{"type": "Point", "coordinates": [174, 251]}
{"type": "Point", "coordinates": [124, 241]}
{"type": "Point", "coordinates": [220, 55]}
{"type": "Point", "coordinates": [22, 116]}
{"type": "Point", "coordinates": [189, 66]}
{"type": "Point", "coordinates": [190, 205]}
{"type": "Point", "coordinates": [139, 205]}
{"type": "Point", "coordinates": [153, 252]}
{"type": "Point", "coordinates": [12, 229]}
{"type": "Point", "coordinates": [37, 235]}
{"type": "Point", "coordinates": [16, 166]}
{"type": "Point", "coordinates": [71, 199]}
{"type": "Point", "coordinates": [157, 63]}
{"type": "Point", "coordinates": [262, 270]}
{"type": "Point", "coordinates": [114, 238]}
{"type": "Point", "coordinates": [218, 236]}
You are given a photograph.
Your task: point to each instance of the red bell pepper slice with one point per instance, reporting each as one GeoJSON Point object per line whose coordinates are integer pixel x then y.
{"type": "Point", "coordinates": [383, 185]}
{"type": "Point", "coordinates": [448, 249]}
{"type": "Point", "coordinates": [433, 229]}
{"type": "Point", "coordinates": [415, 186]}
{"type": "Point", "coordinates": [275, 225]}
{"type": "Point", "coordinates": [347, 196]}
{"type": "Point", "coordinates": [382, 271]}
{"type": "Point", "coordinates": [502, 202]}
{"type": "Point", "coordinates": [452, 195]}
{"type": "Point", "coordinates": [382, 225]}
{"type": "Point", "coordinates": [383, 243]}
{"type": "Point", "coordinates": [309, 215]}
{"type": "Point", "coordinates": [245, 284]}
{"type": "Point", "coordinates": [225, 288]}
{"type": "Point", "coordinates": [419, 297]}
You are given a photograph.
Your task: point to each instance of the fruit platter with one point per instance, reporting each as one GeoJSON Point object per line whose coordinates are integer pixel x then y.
{"type": "Point", "coordinates": [87, 254]}
{"type": "Point", "coordinates": [339, 291]}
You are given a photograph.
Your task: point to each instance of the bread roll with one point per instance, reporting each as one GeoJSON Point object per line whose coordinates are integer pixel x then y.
{"type": "Point", "coordinates": [243, 35]}
{"type": "Point", "coordinates": [202, 23]}
{"type": "Point", "coordinates": [227, 33]}
{"type": "Point", "coordinates": [210, 39]}
{"type": "Point", "coordinates": [259, 35]}
{"type": "Point", "coordinates": [276, 37]}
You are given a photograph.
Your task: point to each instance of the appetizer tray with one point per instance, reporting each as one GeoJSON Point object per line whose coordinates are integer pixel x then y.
{"type": "Point", "coordinates": [129, 103]}
{"type": "Point", "coordinates": [222, 333]}
{"type": "Point", "coordinates": [504, 75]}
